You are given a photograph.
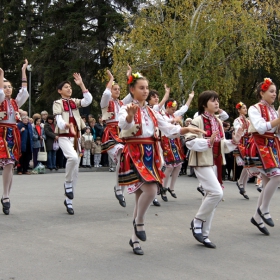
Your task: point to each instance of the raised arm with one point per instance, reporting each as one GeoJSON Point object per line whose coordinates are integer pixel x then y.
{"type": "Point", "coordinates": [106, 96]}
{"type": "Point", "coordinates": [87, 96]}
{"type": "Point", "coordinates": [165, 97]}
{"type": "Point", "coordinates": [23, 93]}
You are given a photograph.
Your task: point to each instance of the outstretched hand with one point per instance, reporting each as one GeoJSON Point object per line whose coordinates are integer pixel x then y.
{"type": "Point", "coordinates": [129, 71]}
{"type": "Point", "coordinates": [213, 137]}
{"type": "Point", "coordinates": [236, 136]}
{"type": "Point", "coordinates": [1, 73]}
{"type": "Point", "coordinates": [131, 110]}
{"type": "Point", "coordinates": [167, 89]}
{"type": "Point", "coordinates": [78, 79]}
{"type": "Point", "coordinates": [24, 66]}
{"type": "Point", "coordinates": [110, 75]}
{"type": "Point", "coordinates": [191, 95]}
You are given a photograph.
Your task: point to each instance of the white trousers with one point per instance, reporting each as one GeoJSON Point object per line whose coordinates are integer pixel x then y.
{"type": "Point", "coordinates": [86, 157]}
{"type": "Point", "coordinates": [73, 160]}
{"type": "Point", "coordinates": [207, 176]}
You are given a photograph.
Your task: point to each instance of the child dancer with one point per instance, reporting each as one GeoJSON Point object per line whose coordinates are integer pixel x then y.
{"type": "Point", "coordinates": [111, 143]}
{"type": "Point", "coordinates": [140, 167]}
{"type": "Point", "coordinates": [173, 152]}
{"type": "Point", "coordinates": [69, 125]}
{"type": "Point", "coordinates": [207, 153]}
{"type": "Point", "coordinates": [243, 122]}
{"type": "Point", "coordinates": [263, 152]}
{"type": "Point", "coordinates": [153, 102]}
{"type": "Point", "coordinates": [9, 133]}
{"type": "Point", "coordinates": [87, 146]}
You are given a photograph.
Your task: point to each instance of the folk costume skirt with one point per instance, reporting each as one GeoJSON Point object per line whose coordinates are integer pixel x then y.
{"type": "Point", "coordinates": [10, 145]}
{"type": "Point", "coordinates": [263, 155]}
{"type": "Point", "coordinates": [140, 163]}
{"type": "Point", "coordinates": [111, 143]}
{"type": "Point", "coordinates": [172, 151]}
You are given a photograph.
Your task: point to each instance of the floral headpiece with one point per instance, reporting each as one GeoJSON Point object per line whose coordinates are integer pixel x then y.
{"type": "Point", "coordinates": [266, 84]}
{"type": "Point", "coordinates": [171, 104]}
{"type": "Point", "coordinates": [239, 105]}
{"type": "Point", "coordinates": [134, 77]}
{"type": "Point", "coordinates": [114, 83]}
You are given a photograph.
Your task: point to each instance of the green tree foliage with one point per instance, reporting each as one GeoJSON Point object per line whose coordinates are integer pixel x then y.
{"type": "Point", "coordinates": [200, 45]}
{"type": "Point", "coordinates": [59, 38]}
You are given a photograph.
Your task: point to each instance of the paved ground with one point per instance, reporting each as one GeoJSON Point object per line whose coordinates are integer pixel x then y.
{"type": "Point", "coordinates": [39, 240]}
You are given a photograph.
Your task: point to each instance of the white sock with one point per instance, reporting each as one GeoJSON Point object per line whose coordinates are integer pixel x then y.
{"type": "Point", "coordinates": [68, 187]}
{"type": "Point", "coordinates": [197, 224]}
{"type": "Point", "coordinates": [69, 202]}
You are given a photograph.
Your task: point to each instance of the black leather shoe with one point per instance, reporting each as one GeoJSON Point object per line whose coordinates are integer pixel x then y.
{"type": "Point", "coordinates": [69, 209]}
{"type": "Point", "coordinates": [241, 190]}
{"type": "Point", "coordinates": [163, 195]}
{"type": "Point", "coordinates": [155, 202]}
{"type": "Point", "coordinates": [261, 229]}
{"type": "Point", "coordinates": [140, 234]}
{"type": "Point", "coordinates": [120, 198]}
{"type": "Point", "coordinates": [137, 250]}
{"type": "Point", "coordinates": [6, 206]}
{"type": "Point", "coordinates": [268, 221]}
{"type": "Point", "coordinates": [259, 189]}
{"type": "Point", "coordinates": [172, 193]}
{"type": "Point", "coordinates": [245, 195]}
{"type": "Point", "coordinates": [201, 190]}
{"type": "Point", "coordinates": [209, 244]}
{"type": "Point", "coordinates": [197, 236]}
{"type": "Point", "coordinates": [69, 195]}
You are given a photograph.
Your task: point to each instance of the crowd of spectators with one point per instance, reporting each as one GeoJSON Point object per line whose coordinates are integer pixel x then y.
{"type": "Point", "coordinates": [38, 133]}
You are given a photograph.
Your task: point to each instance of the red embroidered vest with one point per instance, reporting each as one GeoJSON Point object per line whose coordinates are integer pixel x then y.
{"type": "Point", "coordinates": [111, 108]}
{"type": "Point", "coordinates": [4, 108]}
{"type": "Point", "coordinates": [138, 120]}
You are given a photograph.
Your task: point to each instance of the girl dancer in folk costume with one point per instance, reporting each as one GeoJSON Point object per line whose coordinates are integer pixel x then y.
{"type": "Point", "coordinates": [243, 122]}
{"type": "Point", "coordinates": [140, 164]}
{"type": "Point", "coordinates": [263, 151]}
{"type": "Point", "coordinates": [207, 153]}
{"type": "Point", "coordinates": [9, 133]}
{"type": "Point", "coordinates": [173, 152]}
{"type": "Point", "coordinates": [69, 125]}
{"type": "Point", "coordinates": [111, 143]}
{"type": "Point", "coordinates": [153, 102]}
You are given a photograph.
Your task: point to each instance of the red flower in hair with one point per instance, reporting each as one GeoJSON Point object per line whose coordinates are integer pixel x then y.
{"type": "Point", "coordinates": [130, 80]}
{"type": "Point", "coordinates": [239, 105]}
{"type": "Point", "coordinates": [266, 84]}
{"type": "Point", "coordinates": [169, 104]}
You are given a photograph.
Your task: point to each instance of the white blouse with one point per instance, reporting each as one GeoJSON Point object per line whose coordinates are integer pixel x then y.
{"type": "Point", "coordinates": [259, 122]}
{"type": "Point", "coordinates": [21, 98]}
{"type": "Point", "coordinates": [170, 130]}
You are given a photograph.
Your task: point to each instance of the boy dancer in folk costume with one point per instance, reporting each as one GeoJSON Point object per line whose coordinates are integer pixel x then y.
{"type": "Point", "coordinates": [207, 153]}
{"type": "Point", "coordinates": [173, 152]}
{"type": "Point", "coordinates": [263, 152]}
{"type": "Point", "coordinates": [222, 115]}
{"type": "Point", "coordinates": [10, 148]}
{"type": "Point", "coordinates": [243, 122]}
{"type": "Point", "coordinates": [140, 164]}
{"type": "Point", "coordinates": [153, 102]}
{"type": "Point", "coordinates": [69, 125]}
{"type": "Point", "coordinates": [111, 143]}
